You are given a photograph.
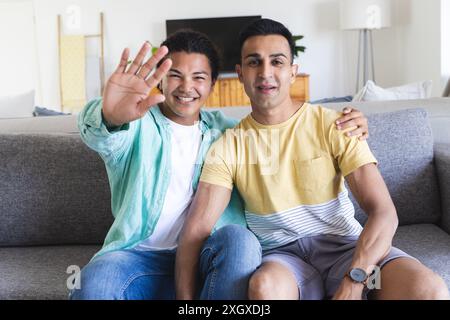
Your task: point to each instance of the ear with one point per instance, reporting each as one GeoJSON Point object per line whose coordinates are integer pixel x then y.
{"type": "Point", "coordinates": [294, 70]}
{"type": "Point", "coordinates": [239, 72]}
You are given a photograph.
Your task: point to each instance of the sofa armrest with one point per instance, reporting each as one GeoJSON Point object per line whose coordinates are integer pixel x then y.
{"type": "Point", "coordinates": [442, 161]}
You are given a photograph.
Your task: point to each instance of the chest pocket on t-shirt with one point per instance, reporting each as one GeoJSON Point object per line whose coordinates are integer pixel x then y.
{"type": "Point", "coordinates": [314, 174]}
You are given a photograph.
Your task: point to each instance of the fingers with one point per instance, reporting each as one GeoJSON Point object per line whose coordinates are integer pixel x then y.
{"type": "Point", "coordinates": [123, 61]}
{"type": "Point", "coordinates": [156, 77]}
{"type": "Point", "coordinates": [150, 101]}
{"type": "Point", "coordinates": [353, 118]}
{"type": "Point", "coordinates": [152, 62]}
{"type": "Point", "coordinates": [349, 109]}
{"type": "Point", "coordinates": [359, 123]}
{"type": "Point", "coordinates": [361, 131]}
{"type": "Point", "coordinates": [350, 116]}
{"type": "Point", "coordinates": [137, 62]}
{"type": "Point", "coordinates": [347, 124]}
{"type": "Point", "coordinates": [364, 136]}
{"type": "Point", "coordinates": [356, 132]}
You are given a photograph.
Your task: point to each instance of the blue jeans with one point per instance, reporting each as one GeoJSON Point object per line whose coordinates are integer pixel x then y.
{"type": "Point", "coordinates": [227, 260]}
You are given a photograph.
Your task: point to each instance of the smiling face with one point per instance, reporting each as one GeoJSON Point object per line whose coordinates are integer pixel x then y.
{"type": "Point", "coordinates": [266, 70]}
{"type": "Point", "coordinates": [186, 87]}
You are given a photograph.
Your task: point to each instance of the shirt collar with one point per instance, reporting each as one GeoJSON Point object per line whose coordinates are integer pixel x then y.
{"type": "Point", "coordinates": [205, 120]}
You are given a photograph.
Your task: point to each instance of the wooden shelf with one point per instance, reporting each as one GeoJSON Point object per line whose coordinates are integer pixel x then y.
{"type": "Point", "coordinates": [230, 92]}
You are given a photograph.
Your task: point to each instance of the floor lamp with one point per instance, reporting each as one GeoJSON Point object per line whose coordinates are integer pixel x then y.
{"type": "Point", "coordinates": [365, 16]}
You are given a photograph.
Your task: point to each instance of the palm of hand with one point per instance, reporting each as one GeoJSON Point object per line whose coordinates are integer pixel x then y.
{"type": "Point", "coordinates": [127, 93]}
{"type": "Point", "coordinates": [124, 92]}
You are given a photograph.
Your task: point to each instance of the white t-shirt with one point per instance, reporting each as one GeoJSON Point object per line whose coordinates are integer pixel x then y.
{"type": "Point", "coordinates": [185, 145]}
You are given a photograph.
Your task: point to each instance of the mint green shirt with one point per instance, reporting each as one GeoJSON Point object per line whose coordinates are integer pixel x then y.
{"type": "Point", "coordinates": [137, 160]}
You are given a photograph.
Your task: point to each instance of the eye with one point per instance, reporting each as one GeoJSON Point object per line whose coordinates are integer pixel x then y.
{"type": "Point", "coordinates": [174, 75]}
{"type": "Point", "coordinates": [200, 78]}
{"type": "Point", "coordinates": [277, 62]}
{"type": "Point", "coordinates": [252, 63]}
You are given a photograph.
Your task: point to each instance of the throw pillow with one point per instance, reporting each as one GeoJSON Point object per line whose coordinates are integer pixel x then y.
{"type": "Point", "coordinates": [17, 106]}
{"type": "Point", "coordinates": [372, 92]}
{"type": "Point", "coordinates": [43, 112]}
{"type": "Point", "coordinates": [332, 100]}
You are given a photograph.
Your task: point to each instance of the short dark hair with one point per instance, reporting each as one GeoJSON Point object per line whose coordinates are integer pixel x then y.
{"type": "Point", "coordinates": [191, 41]}
{"type": "Point", "coordinates": [265, 27]}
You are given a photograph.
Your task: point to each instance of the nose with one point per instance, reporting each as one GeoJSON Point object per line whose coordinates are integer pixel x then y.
{"type": "Point", "coordinates": [265, 70]}
{"type": "Point", "coordinates": [186, 85]}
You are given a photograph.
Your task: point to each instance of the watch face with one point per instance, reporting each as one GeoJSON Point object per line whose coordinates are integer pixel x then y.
{"type": "Point", "coordinates": [358, 275]}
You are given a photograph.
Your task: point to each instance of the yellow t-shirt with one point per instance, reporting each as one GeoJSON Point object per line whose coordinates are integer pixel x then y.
{"type": "Point", "coordinates": [290, 175]}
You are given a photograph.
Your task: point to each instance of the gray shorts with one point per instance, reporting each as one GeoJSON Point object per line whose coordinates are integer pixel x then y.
{"type": "Point", "coordinates": [319, 263]}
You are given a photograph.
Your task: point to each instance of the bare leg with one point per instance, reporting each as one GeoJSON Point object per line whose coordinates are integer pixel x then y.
{"type": "Point", "coordinates": [273, 281]}
{"type": "Point", "coordinates": [407, 279]}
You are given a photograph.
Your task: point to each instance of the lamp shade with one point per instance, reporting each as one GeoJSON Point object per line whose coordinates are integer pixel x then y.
{"type": "Point", "coordinates": [365, 14]}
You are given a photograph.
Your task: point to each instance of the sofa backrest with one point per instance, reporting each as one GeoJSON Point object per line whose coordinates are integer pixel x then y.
{"type": "Point", "coordinates": [44, 124]}
{"type": "Point", "coordinates": [402, 142]}
{"type": "Point", "coordinates": [438, 110]}
{"type": "Point", "coordinates": [53, 190]}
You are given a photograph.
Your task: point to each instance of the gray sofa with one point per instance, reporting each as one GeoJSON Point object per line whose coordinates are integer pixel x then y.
{"type": "Point", "coordinates": [55, 201]}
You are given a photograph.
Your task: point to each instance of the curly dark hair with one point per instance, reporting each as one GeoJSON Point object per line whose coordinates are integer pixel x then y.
{"type": "Point", "coordinates": [191, 41]}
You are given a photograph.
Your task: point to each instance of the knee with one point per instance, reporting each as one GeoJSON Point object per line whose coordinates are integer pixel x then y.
{"type": "Point", "coordinates": [99, 280]}
{"type": "Point", "coordinates": [429, 287]}
{"type": "Point", "coordinates": [238, 239]}
{"type": "Point", "coordinates": [261, 287]}
{"type": "Point", "coordinates": [438, 289]}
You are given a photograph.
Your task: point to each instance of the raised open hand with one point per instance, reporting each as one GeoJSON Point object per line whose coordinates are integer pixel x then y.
{"type": "Point", "coordinates": [126, 95]}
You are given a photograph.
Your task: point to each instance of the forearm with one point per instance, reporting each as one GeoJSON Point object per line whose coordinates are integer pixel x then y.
{"type": "Point", "coordinates": [375, 240]}
{"type": "Point", "coordinates": [374, 243]}
{"type": "Point", "coordinates": [208, 204]}
{"type": "Point", "coordinates": [372, 246]}
{"type": "Point", "coordinates": [188, 254]}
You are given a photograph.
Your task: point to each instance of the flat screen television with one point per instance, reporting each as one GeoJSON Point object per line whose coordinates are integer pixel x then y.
{"type": "Point", "coordinates": [224, 32]}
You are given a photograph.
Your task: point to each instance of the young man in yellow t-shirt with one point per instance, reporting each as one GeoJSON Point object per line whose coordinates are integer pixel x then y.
{"type": "Point", "coordinates": [289, 163]}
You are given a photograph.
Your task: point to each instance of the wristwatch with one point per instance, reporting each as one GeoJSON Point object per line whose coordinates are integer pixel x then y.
{"type": "Point", "coordinates": [358, 275]}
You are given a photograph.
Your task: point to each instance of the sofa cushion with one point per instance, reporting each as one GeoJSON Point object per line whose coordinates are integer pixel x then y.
{"type": "Point", "coordinates": [429, 244]}
{"type": "Point", "coordinates": [402, 142]}
{"type": "Point", "coordinates": [53, 190]}
{"type": "Point", "coordinates": [40, 272]}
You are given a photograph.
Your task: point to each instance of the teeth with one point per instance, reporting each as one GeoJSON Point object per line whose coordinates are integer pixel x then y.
{"type": "Point", "coordinates": [184, 99]}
